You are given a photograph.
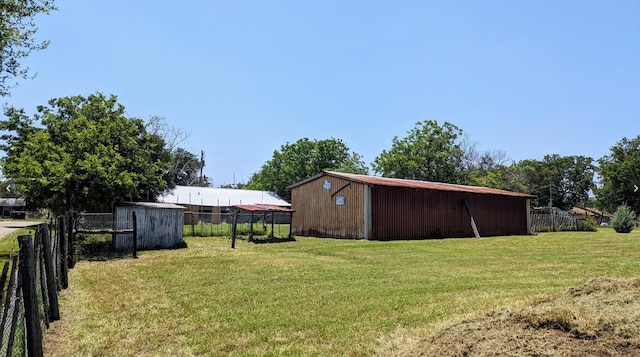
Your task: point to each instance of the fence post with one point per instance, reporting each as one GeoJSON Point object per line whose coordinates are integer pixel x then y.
{"type": "Point", "coordinates": [62, 234]}
{"type": "Point", "coordinates": [193, 224]}
{"type": "Point", "coordinates": [33, 329]}
{"type": "Point", "coordinates": [52, 286]}
{"type": "Point", "coordinates": [70, 234]}
{"type": "Point", "coordinates": [135, 234]}
{"type": "Point", "coordinates": [233, 229]}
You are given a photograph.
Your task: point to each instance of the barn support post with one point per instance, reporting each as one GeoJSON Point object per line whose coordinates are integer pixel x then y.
{"type": "Point", "coordinates": [473, 222]}
{"type": "Point", "coordinates": [233, 228]}
{"type": "Point", "coordinates": [135, 234]}
{"type": "Point", "coordinates": [33, 329]}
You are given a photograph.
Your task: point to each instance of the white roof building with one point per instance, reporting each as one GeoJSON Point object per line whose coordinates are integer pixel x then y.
{"type": "Point", "coordinates": [221, 197]}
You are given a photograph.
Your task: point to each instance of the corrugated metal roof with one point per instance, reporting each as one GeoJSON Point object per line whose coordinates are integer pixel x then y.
{"type": "Point", "coordinates": [221, 197]}
{"type": "Point", "coordinates": [12, 202]}
{"type": "Point", "coordinates": [153, 205]}
{"type": "Point", "coordinates": [263, 208]}
{"type": "Point", "coordinates": [439, 186]}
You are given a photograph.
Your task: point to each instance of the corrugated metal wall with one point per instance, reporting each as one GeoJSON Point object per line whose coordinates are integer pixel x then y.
{"type": "Point", "coordinates": [399, 212]}
{"type": "Point", "coordinates": [157, 227]}
{"type": "Point", "coordinates": [328, 207]}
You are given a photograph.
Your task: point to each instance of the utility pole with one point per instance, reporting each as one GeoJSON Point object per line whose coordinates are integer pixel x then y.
{"type": "Point", "coordinates": [201, 165]}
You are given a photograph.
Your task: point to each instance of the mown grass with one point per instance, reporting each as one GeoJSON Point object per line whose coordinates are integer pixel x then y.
{"type": "Point", "coordinates": [321, 297]}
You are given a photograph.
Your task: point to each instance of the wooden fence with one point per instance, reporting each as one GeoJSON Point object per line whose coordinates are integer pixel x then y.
{"type": "Point", "coordinates": [30, 287]}
{"type": "Point", "coordinates": [554, 222]}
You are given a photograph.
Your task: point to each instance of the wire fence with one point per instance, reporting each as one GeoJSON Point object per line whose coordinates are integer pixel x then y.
{"type": "Point", "coordinates": [33, 279]}
{"type": "Point", "coordinates": [201, 224]}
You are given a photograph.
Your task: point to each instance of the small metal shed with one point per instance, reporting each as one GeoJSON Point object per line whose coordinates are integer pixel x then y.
{"type": "Point", "coordinates": [159, 225]}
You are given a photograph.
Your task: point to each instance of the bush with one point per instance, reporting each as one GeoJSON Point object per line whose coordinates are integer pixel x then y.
{"type": "Point", "coordinates": [623, 220]}
{"type": "Point", "coordinates": [589, 224]}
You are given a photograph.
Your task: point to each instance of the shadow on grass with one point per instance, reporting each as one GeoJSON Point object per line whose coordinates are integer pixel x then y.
{"type": "Point", "coordinates": [100, 248]}
{"type": "Point", "coordinates": [260, 240]}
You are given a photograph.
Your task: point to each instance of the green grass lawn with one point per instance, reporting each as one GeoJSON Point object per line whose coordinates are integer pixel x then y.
{"type": "Point", "coordinates": [320, 297]}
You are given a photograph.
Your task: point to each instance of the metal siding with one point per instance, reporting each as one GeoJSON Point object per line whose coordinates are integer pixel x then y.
{"type": "Point", "coordinates": [317, 214]}
{"type": "Point", "coordinates": [414, 213]}
{"type": "Point", "coordinates": [157, 228]}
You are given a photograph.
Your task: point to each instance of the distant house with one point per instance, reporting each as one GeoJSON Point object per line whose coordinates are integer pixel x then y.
{"type": "Point", "coordinates": [12, 207]}
{"type": "Point", "coordinates": [599, 216]}
{"type": "Point", "coordinates": [218, 202]}
{"type": "Point", "coordinates": [340, 205]}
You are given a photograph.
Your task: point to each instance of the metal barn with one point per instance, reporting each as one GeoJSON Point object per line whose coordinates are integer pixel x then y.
{"type": "Point", "coordinates": [159, 225]}
{"type": "Point", "coordinates": [340, 205]}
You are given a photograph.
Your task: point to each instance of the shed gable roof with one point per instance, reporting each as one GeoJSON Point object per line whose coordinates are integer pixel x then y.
{"type": "Point", "coordinates": [393, 182]}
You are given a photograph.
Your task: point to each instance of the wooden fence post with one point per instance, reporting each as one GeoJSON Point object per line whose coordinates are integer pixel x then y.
{"type": "Point", "coordinates": [70, 234]}
{"type": "Point", "coordinates": [233, 229]}
{"type": "Point", "coordinates": [52, 286]}
{"type": "Point", "coordinates": [33, 329]}
{"type": "Point", "coordinates": [62, 234]}
{"type": "Point", "coordinates": [135, 234]}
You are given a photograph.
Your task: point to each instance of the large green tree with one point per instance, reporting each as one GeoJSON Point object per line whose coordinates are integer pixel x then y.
{"type": "Point", "coordinates": [82, 151]}
{"type": "Point", "coordinates": [17, 37]}
{"type": "Point", "coordinates": [618, 172]}
{"type": "Point", "coordinates": [429, 152]}
{"type": "Point", "coordinates": [303, 159]}
{"type": "Point", "coordinates": [558, 181]}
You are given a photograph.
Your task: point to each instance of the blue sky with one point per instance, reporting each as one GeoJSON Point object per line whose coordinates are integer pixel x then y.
{"type": "Point", "coordinates": [244, 77]}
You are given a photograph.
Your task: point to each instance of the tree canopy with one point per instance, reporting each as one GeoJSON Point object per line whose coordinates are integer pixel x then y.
{"type": "Point", "coordinates": [558, 181]}
{"type": "Point", "coordinates": [618, 172]}
{"type": "Point", "coordinates": [17, 37]}
{"type": "Point", "coordinates": [82, 151]}
{"type": "Point", "coordinates": [303, 159]}
{"type": "Point", "coordinates": [429, 152]}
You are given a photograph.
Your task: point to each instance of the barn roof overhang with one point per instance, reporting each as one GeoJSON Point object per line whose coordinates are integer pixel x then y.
{"type": "Point", "coordinates": [427, 185]}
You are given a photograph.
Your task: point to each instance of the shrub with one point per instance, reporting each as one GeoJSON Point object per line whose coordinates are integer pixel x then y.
{"type": "Point", "coordinates": [623, 220]}
{"type": "Point", "coordinates": [589, 224]}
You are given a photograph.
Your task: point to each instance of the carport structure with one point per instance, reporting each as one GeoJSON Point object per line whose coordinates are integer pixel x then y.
{"type": "Point", "coordinates": [257, 209]}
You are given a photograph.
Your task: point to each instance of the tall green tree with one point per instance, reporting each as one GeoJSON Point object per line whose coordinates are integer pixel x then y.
{"type": "Point", "coordinates": [17, 37]}
{"type": "Point", "coordinates": [558, 181]}
{"type": "Point", "coordinates": [303, 159]}
{"type": "Point", "coordinates": [618, 172]}
{"type": "Point", "coordinates": [82, 151]}
{"type": "Point", "coordinates": [429, 152]}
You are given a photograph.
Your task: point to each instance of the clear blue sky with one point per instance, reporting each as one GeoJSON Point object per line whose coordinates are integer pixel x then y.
{"type": "Point", "coordinates": [528, 77]}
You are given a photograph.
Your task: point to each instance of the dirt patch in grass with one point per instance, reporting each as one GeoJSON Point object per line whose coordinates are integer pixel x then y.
{"type": "Point", "coordinates": [601, 318]}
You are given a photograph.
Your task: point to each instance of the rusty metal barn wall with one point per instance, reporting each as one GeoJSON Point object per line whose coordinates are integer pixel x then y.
{"type": "Point", "coordinates": [318, 214]}
{"type": "Point", "coordinates": [413, 213]}
{"type": "Point", "coordinates": [157, 228]}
